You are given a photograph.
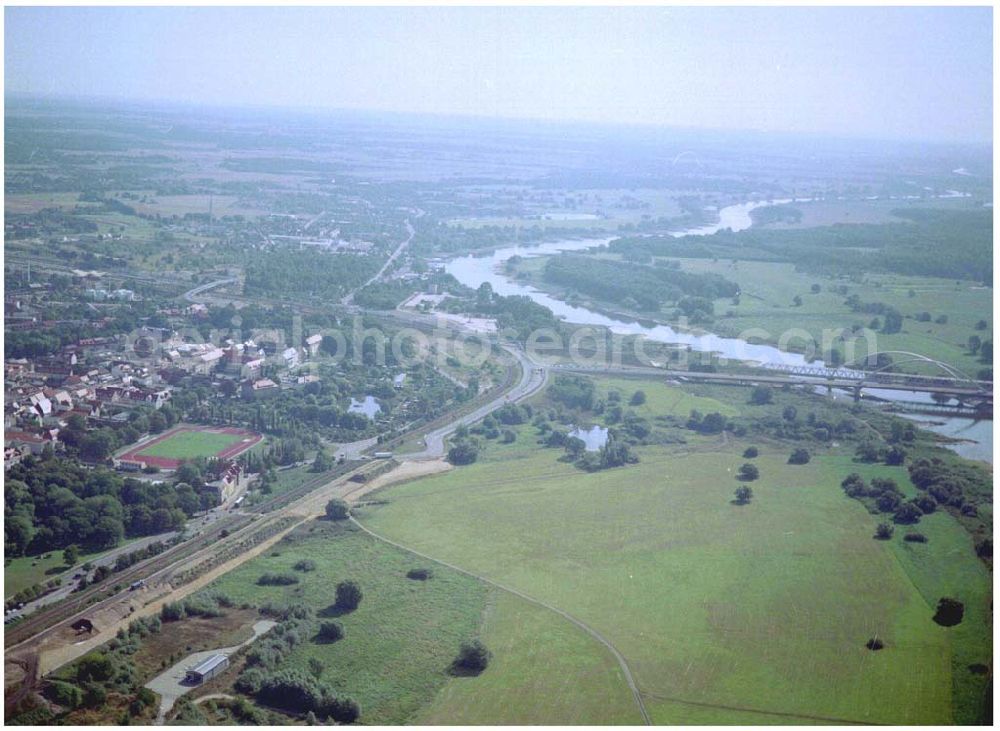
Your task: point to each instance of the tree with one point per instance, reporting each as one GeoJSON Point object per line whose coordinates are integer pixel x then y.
{"type": "Point", "coordinates": [797, 301]}
{"type": "Point", "coordinates": [322, 463]}
{"type": "Point", "coordinates": [349, 596]}
{"type": "Point", "coordinates": [982, 325]}
{"type": "Point", "coordinates": [337, 509]}
{"type": "Point", "coordinates": [907, 514]}
{"type": "Point", "coordinates": [789, 413]}
{"type": "Point", "coordinates": [761, 395]}
{"type": "Point", "coordinates": [986, 352]}
{"type": "Point", "coordinates": [975, 342]}
{"type": "Point", "coordinates": [464, 452]}
{"type": "Point", "coordinates": [750, 452]}
{"type": "Point", "coordinates": [473, 658]}
{"type": "Point", "coordinates": [330, 631]}
{"type": "Point", "coordinates": [316, 668]}
{"type": "Point", "coordinates": [883, 531]}
{"type": "Point", "coordinates": [949, 612]}
{"type": "Point", "coordinates": [575, 446]}
{"type": "Point", "coordinates": [748, 472]}
{"type": "Point", "coordinates": [638, 398]}
{"type": "Point", "coordinates": [895, 456]}
{"type": "Point", "coordinates": [744, 494]}
{"type": "Point", "coordinates": [71, 554]}
{"type": "Point", "coordinates": [799, 456]}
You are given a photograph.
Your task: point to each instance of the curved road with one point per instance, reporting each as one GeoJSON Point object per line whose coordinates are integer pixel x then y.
{"type": "Point", "coordinates": [533, 379]}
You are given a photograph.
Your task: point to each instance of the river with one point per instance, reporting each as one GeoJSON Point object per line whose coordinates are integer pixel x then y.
{"type": "Point", "coordinates": [473, 270]}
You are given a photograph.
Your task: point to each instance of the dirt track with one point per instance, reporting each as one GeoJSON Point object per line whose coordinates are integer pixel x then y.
{"type": "Point", "coordinates": [65, 646]}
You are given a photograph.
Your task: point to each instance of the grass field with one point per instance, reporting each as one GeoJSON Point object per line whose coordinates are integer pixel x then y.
{"type": "Point", "coordinates": [189, 444]}
{"type": "Point", "coordinates": [27, 571]}
{"type": "Point", "coordinates": [767, 303]}
{"type": "Point", "coordinates": [544, 671]}
{"type": "Point", "coordinates": [403, 637]}
{"type": "Point", "coordinates": [735, 614]}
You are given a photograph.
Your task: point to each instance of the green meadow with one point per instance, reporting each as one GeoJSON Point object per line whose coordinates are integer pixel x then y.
{"type": "Point", "coordinates": [401, 640]}
{"type": "Point", "coordinates": [726, 613]}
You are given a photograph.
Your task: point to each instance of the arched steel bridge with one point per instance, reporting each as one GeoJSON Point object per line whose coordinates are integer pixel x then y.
{"type": "Point", "coordinates": [953, 379]}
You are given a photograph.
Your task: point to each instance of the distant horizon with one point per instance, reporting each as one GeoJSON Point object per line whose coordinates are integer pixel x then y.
{"type": "Point", "coordinates": [453, 117]}
{"type": "Point", "coordinates": [918, 74]}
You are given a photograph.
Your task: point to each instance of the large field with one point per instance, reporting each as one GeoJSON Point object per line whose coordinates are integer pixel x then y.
{"type": "Point", "coordinates": [399, 643]}
{"type": "Point", "coordinates": [737, 614]}
{"type": "Point", "coordinates": [188, 442]}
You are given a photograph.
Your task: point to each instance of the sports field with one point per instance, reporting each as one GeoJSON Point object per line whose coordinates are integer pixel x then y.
{"type": "Point", "coordinates": [726, 614]}
{"type": "Point", "coordinates": [168, 450]}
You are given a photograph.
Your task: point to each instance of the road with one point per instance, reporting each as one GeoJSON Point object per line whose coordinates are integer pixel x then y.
{"type": "Point", "coordinates": [349, 298]}
{"type": "Point", "coordinates": [533, 378]}
{"type": "Point", "coordinates": [192, 293]}
{"type": "Point", "coordinates": [107, 559]}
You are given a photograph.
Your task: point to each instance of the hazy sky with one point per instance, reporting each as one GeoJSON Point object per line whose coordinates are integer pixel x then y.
{"type": "Point", "coordinates": [917, 73]}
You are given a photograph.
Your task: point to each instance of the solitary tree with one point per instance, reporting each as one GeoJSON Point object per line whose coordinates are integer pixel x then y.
{"type": "Point", "coordinates": [349, 595]}
{"type": "Point", "coordinates": [744, 494]}
{"type": "Point", "coordinates": [71, 554]}
{"type": "Point", "coordinates": [748, 472]}
{"type": "Point", "coordinates": [331, 631]}
{"type": "Point", "coordinates": [750, 452]}
{"type": "Point", "coordinates": [473, 657]}
{"type": "Point", "coordinates": [337, 509]}
{"type": "Point", "coordinates": [799, 456]}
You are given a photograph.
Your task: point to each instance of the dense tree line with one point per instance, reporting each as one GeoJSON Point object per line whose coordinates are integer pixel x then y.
{"type": "Point", "coordinates": [52, 502]}
{"type": "Point", "coordinates": [906, 248]}
{"type": "Point", "coordinates": [634, 285]}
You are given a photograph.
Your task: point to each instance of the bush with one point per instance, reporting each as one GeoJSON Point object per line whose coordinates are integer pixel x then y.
{"type": "Point", "coordinates": [884, 531]}
{"type": "Point", "coordinates": [277, 579]}
{"type": "Point", "coordinates": [349, 596]}
{"type": "Point", "coordinates": [337, 509]}
{"type": "Point", "coordinates": [895, 456]}
{"type": "Point", "coordinates": [854, 485]}
{"type": "Point", "coordinates": [907, 514]}
{"type": "Point", "coordinates": [341, 710]}
{"type": "Point", "coordinates": [750, 452]}
{"type": "Point", "coordinates": [330, 631]}
{"type": "Point", "coordinates": [463, 453]}
{"type": "Point", "coordinates": [94, 666]}
{"type": "Point", "coordinates": [305, 564]}
{"type": "Point", "coordinates": [66, 695]}
{"type": "Point", "coordinates": [949, 612]}
{"type": "Point", "coordinates": [172, 612]}
{"type": "Point", "coordinates": [761, 395]}
{"type": "Point", "coordinates": [419, 574]}
{"type": "Point", "coordinates": [744, 494]}
{"type": "Point", "coordinates": [748, 472]}
{"type": "Point", "coordinates": [473, 657]}
{"type": "Point", "coordinates": [799, 456]}
{"type": "Point", "coordinates": [984, 548]}
{"type": "Point", "coordinates": [915, 538]}
{"type": "Point", "coordinates": [638, 398]}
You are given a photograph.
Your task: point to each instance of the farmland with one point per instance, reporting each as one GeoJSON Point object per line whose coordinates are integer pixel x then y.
{"type": "Point", "coordinates": [725, 613]}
